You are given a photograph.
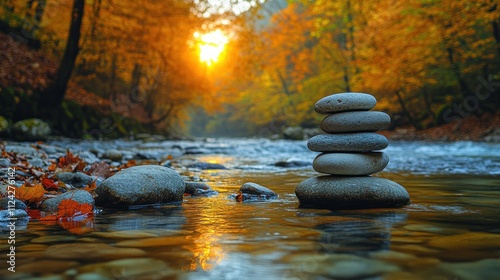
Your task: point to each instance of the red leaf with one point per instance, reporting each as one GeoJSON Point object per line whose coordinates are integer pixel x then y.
{"type": "Point", "coordinates": [49, 184]}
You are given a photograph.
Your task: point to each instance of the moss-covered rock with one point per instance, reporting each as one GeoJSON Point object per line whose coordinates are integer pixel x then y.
{"type": "Point", "coordinates": [4, 126]}
{"type": "Point", "coordinates": [30, 130]}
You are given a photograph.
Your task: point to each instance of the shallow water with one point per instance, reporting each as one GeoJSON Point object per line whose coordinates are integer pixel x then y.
{"type": "Point", "coordinates": [450, 231]}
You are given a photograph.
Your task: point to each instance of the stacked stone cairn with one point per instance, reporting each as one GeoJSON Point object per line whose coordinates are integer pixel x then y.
{"type": "Point", "coordinates": [350, 153]}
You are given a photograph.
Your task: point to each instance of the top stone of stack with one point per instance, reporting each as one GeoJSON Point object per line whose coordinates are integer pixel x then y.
{"type": "Point", "coordinates": [349, 101]}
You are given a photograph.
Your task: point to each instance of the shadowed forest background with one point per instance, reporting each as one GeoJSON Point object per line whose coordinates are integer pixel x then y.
{"type": "Point", "coordinates": [138, 67]}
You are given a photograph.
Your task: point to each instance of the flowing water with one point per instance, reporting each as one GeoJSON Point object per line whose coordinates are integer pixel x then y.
{"type": "Point", "coordinates": [450, 231]}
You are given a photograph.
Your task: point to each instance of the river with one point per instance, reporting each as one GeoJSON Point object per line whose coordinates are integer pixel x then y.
{"type": "Point", "coordinates": [450, 231]}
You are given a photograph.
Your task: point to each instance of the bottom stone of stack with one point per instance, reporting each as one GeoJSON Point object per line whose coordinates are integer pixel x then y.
{"type": "Point", "coordinates": [342, 192]}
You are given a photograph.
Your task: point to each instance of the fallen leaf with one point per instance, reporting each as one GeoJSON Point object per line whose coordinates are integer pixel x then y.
{"type": "Point", "coordinates": [49, 184]}
{"type": "Point", "coordinates": [100, 169]}
{"type": "Point", "coordinates": [69, 208]}
{"type": "Point", "coordinates": [30, 193]}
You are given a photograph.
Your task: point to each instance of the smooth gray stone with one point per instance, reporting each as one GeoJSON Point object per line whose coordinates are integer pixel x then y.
{"type": "Point", "coordinates": [139, 186]}
{"type": "Point", "coordinates": [256, 189]}
{"type": "Point", "coordinates": [349, 101]}
{"type": "Point", "coordinates": [333, 192]}
{"type": "Point", "coordinates": [348, 142]}
{"type": "Point", "coordinates": [355, 121]}
{"type": "Point", "coordinates": [353, 164]}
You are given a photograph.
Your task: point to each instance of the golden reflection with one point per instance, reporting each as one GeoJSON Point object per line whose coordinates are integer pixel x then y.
{"type": "Point", "coordinates": [211, 225]}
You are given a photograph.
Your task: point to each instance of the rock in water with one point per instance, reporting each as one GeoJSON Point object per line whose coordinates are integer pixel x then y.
{"type": "Point", "coordinates": [141, 185]}
{"type": "Point", "coordinates": [256, 189]}
{"type": "Point", "coordinates": [349, 153]}
{"type": "Point", "coordinates": [348, 142]}
{"type": "Point", "coordinates": [352, 164]}
{"type": "Point", "coordinates": [355, 121]}
{"type": "Point", "coordinates": [349, 101]}
{"type": "Point", "coordinates": [332, 192]}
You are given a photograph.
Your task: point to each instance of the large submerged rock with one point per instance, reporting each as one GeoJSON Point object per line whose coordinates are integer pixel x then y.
{"type": "Point", "coordinates": [141, 185]}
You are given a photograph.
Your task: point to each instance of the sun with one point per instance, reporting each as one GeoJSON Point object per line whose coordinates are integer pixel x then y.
{"type": "Point", "coordinates": [211, 45]}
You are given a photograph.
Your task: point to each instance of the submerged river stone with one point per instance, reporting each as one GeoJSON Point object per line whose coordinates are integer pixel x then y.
{"type": "Point", "coordinates": [336, 192]}
{"type": "Point", "coordinates": [353, 164]}
{"type": "Point", "coordinates": [349, 101]}
{"type": "Point", "coordinates": [141, 185]}
{"type": "Point", "coordinates": [348, 142]}
{"type": "Point", "coordinates": [355, 121]}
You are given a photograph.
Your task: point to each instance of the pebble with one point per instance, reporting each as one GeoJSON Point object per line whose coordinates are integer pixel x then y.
{"type": "Point", "coordinates": [256, 189]}
{"type": "Point", "coordinates": [20, 214]}
{"type": "Point", "coordinates": [353, 164]}
{"type": "Point", "coordinates": [141, 185]}
{"type": "Point", "coordinates": [113, 155]}
{"type": "Point", "coordinates": [355, 121]}
{"type": "Point", "coordinates": [90, 251]}
{"type": "Point", "coordinates": [467, 241]}
{"type": "Point", "coordinates": [80, 196]}
{"type": "Point", "coordinates": [198, 188]}
{"type": "Point", "coordinates": [478, 270]}
{"type": "Point", "coordinates": [349, 142]}
{"type": "Point", "coordinates": [333, 192]}
{"type": "Point", "coordinates": [206, 166]}
{"type": "Point", "coordinates": [47, 266]}
{"type": "Point", "coordinates": [130, 268]}
{"type": "Point", "coordinates": [75, 179]}
{"type": "Point", "coordinates": [156, 242]}
{"type": "Point", "coordinates": [290, 163]}
{"type": "Point", "coordinates": [349, 101]}
{"type": "Point", "coordinates": [18, 204]}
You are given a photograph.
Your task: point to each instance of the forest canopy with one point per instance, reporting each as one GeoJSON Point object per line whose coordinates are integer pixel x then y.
{"type": "Point", "coordinates": [236, 67]}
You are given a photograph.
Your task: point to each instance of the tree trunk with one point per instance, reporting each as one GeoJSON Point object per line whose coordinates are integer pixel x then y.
{"type": "Point", "coordinates": [50, 100]}
{"type": "Point", "coordinates": [406, 112]}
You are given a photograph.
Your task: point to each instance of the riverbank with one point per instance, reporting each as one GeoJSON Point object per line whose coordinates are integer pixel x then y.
{"type": "Point", "coordinates": [484, 128]}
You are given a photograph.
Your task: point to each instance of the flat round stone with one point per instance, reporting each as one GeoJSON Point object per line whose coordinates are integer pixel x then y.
{"type": "Point", "coordinates": [351, 163]}
{"type": "Point", "coordinates": [348, 142]}
{"type": "Point", "coordinates": [349, 101]}
{"type": "Point", "coordinates": [355, 121]}
{"type": "Point", "coordinates": [333, 192]}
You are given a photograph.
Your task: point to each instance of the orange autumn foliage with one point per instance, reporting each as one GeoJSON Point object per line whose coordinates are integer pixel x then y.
{"type": "Point", "coordinates": [30, 193]}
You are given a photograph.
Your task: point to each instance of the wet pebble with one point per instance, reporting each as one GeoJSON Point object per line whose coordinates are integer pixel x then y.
{"type": "Point", "coordinates": [17, 213]}
{"type": "Point", "coordinates": [47, 266]}
{"type": "Point", "coordinates": [206, 166]}
{"type": "Point", "coordinates": [483, 269]}
{"type": "Point", "coordinates": [467, 241]}
{"type": "Point", "coordinates": [125, 234]}
{"type": "Point", "coordinates": [256, 189]}
{"type": "Point", "coordinates": [75, 179]}
{"type": "Point", "coordinates": [53, 238]}
{"type": "Point", "coordinates": [38, 162]}
{"type": "Point", "coordinates": [92, 276]}
{"type": "Point", "coordinates": [155, 242]}
{"type": "Point", "coordinates": [113, 155]}
{"type": "Point", "coordinates": [129, 268]}
{"type": "Point", "coordinates": [198, 188]}
{"type": "Point", "coordinates": [6, 202]}
{"type": "Point", "coordinates": [292, 163]}
{"type": "Point", "coordinates": [4, 162]}
{"type": "Point", "coordinates": [90, 251]}
{"type": "Point", "coordinates": [339, 266]}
